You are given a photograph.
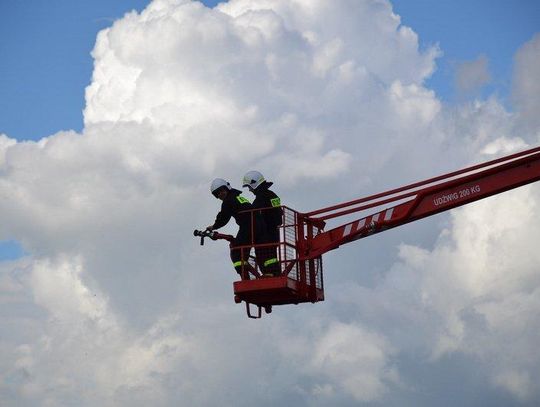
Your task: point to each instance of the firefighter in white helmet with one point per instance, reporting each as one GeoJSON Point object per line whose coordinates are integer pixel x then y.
{"type": "Point", "coordinates": [268, 206]}
{"type": "Point", "coordinates": [234, 205]}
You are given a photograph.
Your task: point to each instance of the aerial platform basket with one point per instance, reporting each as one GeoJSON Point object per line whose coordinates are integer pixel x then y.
{"type": "Point", "coordinates": [297, 278]}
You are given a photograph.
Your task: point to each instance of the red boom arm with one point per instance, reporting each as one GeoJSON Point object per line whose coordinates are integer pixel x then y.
{"type": "Point", "coordinates": [422, 199]}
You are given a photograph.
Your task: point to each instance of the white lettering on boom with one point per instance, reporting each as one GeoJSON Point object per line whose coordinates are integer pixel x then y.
{"type": "Point", "coordinates": [465, 193]}
{"type": "Point", "coordinates": [444, 199]}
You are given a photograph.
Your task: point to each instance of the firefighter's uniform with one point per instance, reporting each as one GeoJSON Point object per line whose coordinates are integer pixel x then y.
{"type": "Point", "coordinates": [234, 206]}
{"type": "Point", "coordinates": [271, 214]}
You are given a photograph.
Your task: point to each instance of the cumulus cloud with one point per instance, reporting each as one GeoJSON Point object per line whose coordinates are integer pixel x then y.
{"type": "Point", "coordinates": [526, 81]}
{"type": "Point", "coordinates": [481, 281]}
{"type": "Point", "coordinates": [475, 293]}
{"type": "Point", "coordinates": [472, 75]}
{"type": "Point", "coordinates": [117, 304]}
{"type": "Point", "coordinates": [349, 355]}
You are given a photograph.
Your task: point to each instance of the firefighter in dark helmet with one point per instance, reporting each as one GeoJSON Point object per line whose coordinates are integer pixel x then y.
{"type": "Point", "coordinates": [268, 207]}
{"type": "Point", "coordinates": [233, 205]}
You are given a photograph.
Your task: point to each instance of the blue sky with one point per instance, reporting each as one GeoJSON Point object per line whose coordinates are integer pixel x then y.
{"type": "Point", "coordinates": [495, 28]}
{"type": "Point", "coordinates": [46, 63]}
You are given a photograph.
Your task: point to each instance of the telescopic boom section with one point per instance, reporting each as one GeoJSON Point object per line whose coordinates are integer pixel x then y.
{"type": "Point", "coordinates": [416, 201]}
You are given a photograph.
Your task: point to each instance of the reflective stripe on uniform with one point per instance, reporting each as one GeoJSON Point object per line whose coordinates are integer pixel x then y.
{"type": "Point", "coordinates": [275, 202]}
{"type": "Point", "coordinates": [241, 199]}
{"type": "Point", "coordinates": [270, 261]}
{"type": "Point", "coordinates": [239, 263]}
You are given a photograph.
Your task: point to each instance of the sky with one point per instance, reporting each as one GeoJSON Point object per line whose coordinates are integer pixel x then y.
{"type": "Point", "coordinates": [55, 39]}
{"type": "Point", "coordinates": [112, 126]}
{"type": "Point", "coordinates": [47, 62]}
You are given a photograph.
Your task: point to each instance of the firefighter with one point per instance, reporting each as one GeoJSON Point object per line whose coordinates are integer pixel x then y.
{"type": "Point", "coordinates": [233, 205]}
{"type": "Point", "coordinates": [269, 210]}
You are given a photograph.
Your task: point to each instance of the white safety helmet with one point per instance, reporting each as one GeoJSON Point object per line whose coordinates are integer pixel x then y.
{"type": "Point", "coordinates": [217, 184]}
{"type": "Point", "coordinates": [253, 179]}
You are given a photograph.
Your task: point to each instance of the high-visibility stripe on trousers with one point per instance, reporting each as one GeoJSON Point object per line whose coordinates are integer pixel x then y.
{"type": "Point", "coordinates": [270, 261]}
{"type": "Point", "coordinates": [240, 263]}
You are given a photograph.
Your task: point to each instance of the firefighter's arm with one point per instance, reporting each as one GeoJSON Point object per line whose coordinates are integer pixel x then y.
{"type": "Point", "coordinates": [222, 217]}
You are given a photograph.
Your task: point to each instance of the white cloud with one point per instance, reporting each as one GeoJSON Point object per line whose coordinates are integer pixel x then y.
{"type": "Point", "coordinates": [526, 81]}
{"type": "Point", "coordinates": [481, 284]}
{"type": "Point", "coordinates": [117, 304]}
{"type": "Point", "coordinates": [472, 75]}
{"type": "Point", "coordinates": [354, 361]}
{"type": "Point", "coordinates": [474, 294]}
{"type": "Point", "coordinates": [5, 143]}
